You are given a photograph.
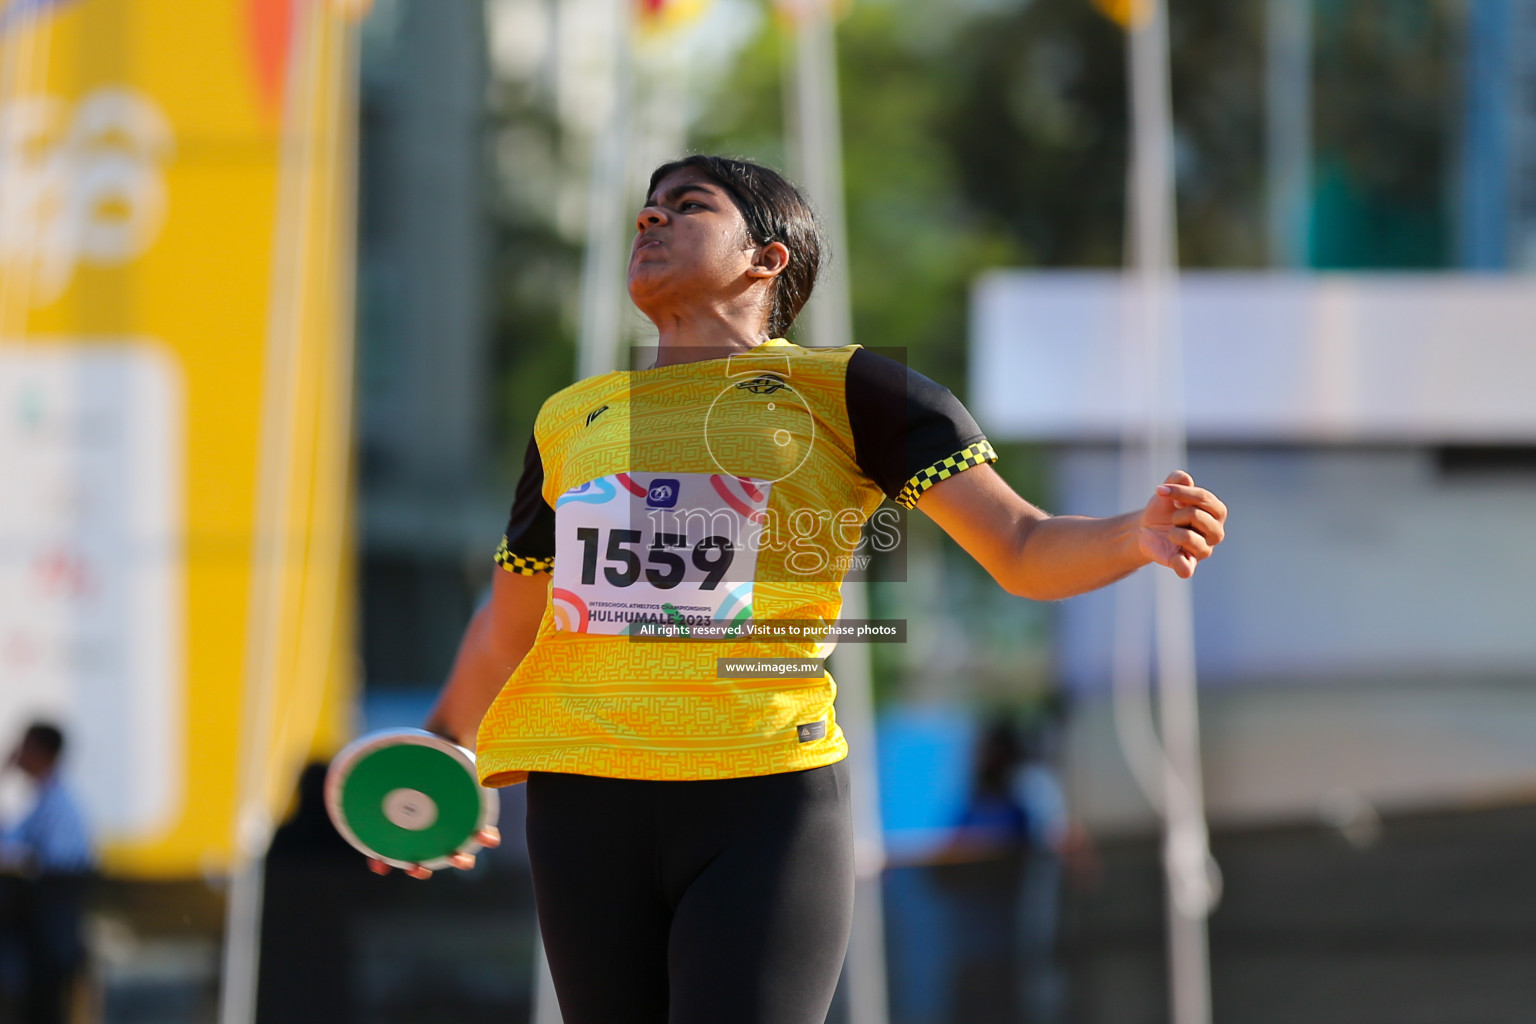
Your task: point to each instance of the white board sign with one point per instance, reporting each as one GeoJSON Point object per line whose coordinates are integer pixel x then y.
{"type": "Point", "coordinates": [92, 567]}
{"type": "Point", "coordinates": [1290, 358]}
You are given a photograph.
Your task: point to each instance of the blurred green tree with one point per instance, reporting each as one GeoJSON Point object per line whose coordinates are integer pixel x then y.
{"type": "Point", "coordinates": [994, 134]}
{"type": "Point", "coordinates": [1385, 119]}
{"type": "Point", "coordinates": [535, 264]}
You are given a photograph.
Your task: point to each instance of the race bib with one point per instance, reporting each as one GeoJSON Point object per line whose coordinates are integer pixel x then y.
{"type": "Point", "coordinates": [676, 549]}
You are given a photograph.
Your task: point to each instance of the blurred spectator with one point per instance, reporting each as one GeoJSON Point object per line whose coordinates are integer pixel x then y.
{"type": "Point", "coordinates": [314, 891]}
{"type": "Point", "coordinates": [1002, 874]}
{"type": "Point", "coordinates": [995, 820]}
{"type": "Point", "coordinates": [45, 859]}
{"type": "Point", "coordinates": [1041, 988]}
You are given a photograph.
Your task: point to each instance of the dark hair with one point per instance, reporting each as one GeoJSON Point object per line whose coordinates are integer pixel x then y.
{"type": "Point", "coordinates": [774, 211]}
{"type": "Point", "coordinates": [47, 739]}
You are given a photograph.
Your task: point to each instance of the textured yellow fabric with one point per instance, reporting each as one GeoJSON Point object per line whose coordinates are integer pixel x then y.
{"type": "Point", "coordinates": [620, 707]}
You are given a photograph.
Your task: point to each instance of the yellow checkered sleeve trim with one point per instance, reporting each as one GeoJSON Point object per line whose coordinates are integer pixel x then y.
{"type": "Point", "coordinates": [520, 565]}
{"type": "Point", "coordinates": [964, 459]}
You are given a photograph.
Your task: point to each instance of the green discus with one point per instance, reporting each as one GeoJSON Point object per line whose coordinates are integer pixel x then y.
{"type": "Point", "coordinates": [406, 797]}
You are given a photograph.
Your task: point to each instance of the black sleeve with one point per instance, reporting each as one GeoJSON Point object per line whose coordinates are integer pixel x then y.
{"type": "Point", "coordinates": [528, 547]}
{"type": "Point", "coordinates": [908, 432]}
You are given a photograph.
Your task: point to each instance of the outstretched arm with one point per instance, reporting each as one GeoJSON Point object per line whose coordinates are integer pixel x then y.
{"type": "Point", "coordinates": [1033, 554]}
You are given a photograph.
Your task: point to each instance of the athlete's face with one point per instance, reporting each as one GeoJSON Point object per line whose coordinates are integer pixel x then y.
{"type": "Point", "coordinates": [691, 247]}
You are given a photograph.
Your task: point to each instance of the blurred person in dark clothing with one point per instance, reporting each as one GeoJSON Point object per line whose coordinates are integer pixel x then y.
{"type": "Point", "coordinates": [980, 872]}
{"type": "Point", "coordinates": [45, 859]}
{"type": "Point", "coordinates": [311, 900]}
{"type": "Point", "coordinates": [1004, 879]}
{"type": "Point", "coordinates": [994, 820]}
{"type": "Point", "coordinates": [1053, 842]}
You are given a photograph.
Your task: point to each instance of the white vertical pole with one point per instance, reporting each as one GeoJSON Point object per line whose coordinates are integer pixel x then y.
{"type": "Point", "coordinates": [1288, 129]}
{"type": "Point", "coordinates": [603, 261]}
{"type": "Point", "coordinates": [817, 147]}
{"type": "Point", "coordinates": [270, 554]}
{"type": "Point", "coordinates": [1155, 342]}
{"type": "Point", "coordinates": [828, 319]}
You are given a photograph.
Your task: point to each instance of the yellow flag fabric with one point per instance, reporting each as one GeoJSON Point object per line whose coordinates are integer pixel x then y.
{"type": "Point", "coordinates": [1126, 13]}
{"type": "Point", "coordinates": [176, 195]}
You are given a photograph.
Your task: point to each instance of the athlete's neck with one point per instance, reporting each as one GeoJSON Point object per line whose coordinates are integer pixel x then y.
{"type": "Point", "coordinates": [693, 339]}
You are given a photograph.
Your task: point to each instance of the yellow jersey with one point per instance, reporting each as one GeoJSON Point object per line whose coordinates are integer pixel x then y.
{"type": "Point", "coordinates": [680, 511]}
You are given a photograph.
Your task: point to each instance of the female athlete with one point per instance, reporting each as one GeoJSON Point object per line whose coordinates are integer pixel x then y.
{"type": "Point", "coordinates": [688, 808]}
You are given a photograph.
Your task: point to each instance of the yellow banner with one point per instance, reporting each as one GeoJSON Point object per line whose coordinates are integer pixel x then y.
{"type": "Point", "coordinates": [176, 251]}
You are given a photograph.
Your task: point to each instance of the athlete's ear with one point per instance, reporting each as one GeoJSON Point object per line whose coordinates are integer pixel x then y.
{"type": "Point", "coordinates": [769, 260]}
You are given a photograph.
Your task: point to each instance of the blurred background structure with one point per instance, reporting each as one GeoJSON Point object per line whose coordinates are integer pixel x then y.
{"type": "Point", "coordinates": [283, 284]}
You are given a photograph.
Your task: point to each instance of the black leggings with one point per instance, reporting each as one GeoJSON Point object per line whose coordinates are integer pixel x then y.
{"type": "Point", "coordinates": [720, 902]}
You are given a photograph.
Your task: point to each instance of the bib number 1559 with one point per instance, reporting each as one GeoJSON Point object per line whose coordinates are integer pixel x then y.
{"type": "Point", "coordinates": [666, 560]}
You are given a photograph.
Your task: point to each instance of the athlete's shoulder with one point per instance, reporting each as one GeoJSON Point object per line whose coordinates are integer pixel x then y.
{"type": "Point", "coordinates": [575, 402]}
{"type": "Point", "coordinates": [830, 356]}
{"type": "Point", "coordinates": [576, 393]}
{"type": "Point", "coordinates": [908, 430]}
{"type": "Point", "coordinates": [879, 376]}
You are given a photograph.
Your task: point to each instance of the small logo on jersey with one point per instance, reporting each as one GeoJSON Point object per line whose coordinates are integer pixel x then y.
{"type": "Point", "coordinates": [595, 413]}
{"type": "Point", "coordinates": [812, 731]}
{"type": "Point", "coordinates": [763, 384]}
{"type": "Point", "coordinates": [663, 494]}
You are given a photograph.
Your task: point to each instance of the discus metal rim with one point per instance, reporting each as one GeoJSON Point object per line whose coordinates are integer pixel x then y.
{"type": "Point", "coordinates": [341, 767]}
